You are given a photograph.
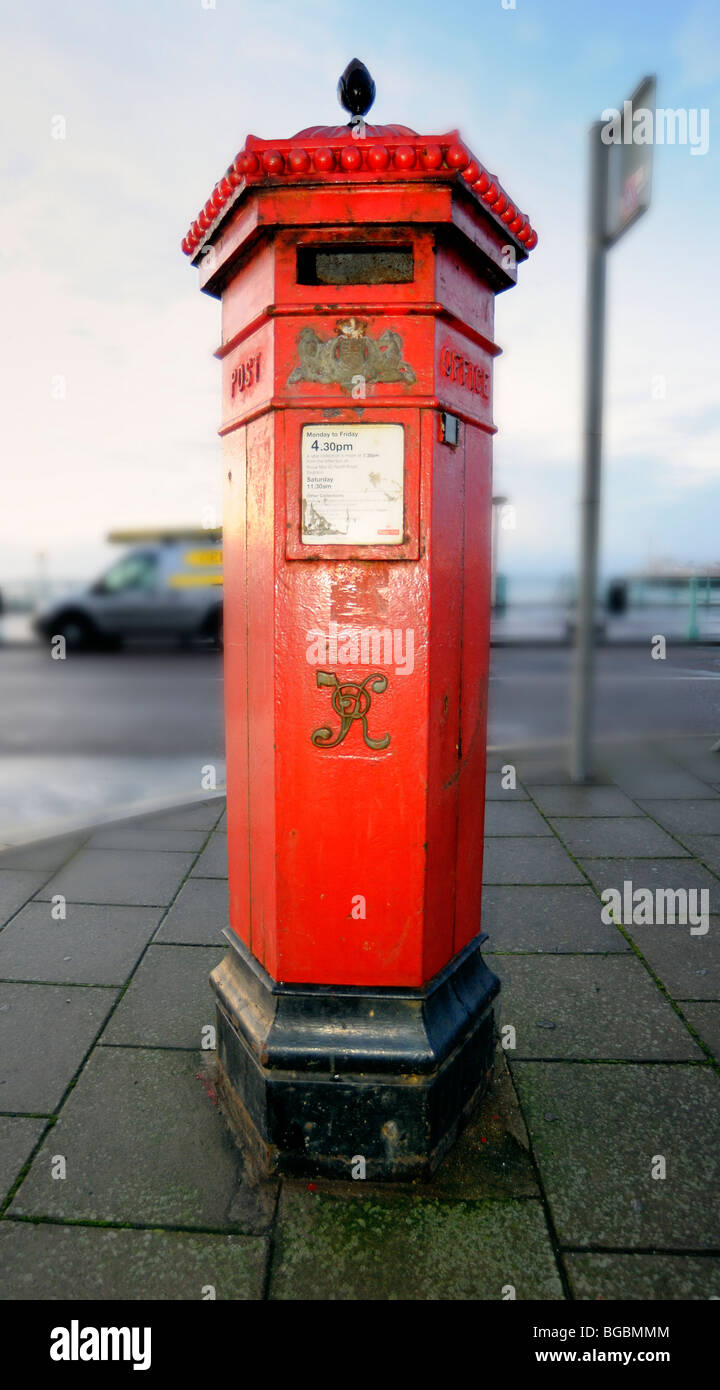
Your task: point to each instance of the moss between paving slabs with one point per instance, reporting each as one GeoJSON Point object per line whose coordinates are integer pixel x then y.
{"type": "Point", "coordinates": [330, 1248]}
{"type": "Point", "coordinates": [18, 1137]}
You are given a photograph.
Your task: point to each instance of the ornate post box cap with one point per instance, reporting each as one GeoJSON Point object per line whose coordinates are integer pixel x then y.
{"type": "Point", "coordinates": [356, 154]}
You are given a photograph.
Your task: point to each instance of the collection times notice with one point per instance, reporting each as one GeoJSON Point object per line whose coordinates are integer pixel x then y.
{"type": "Point", "coordinates": [352, 484]}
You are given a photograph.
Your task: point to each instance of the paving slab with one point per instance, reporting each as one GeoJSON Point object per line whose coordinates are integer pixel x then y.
{"type": "Point", "coordinates": [132, 877]}
{"type": "Point", "coordinates": [688, 748]}
{"type": "Point", "coordinates": [213, 862]}
{"type": "Point", "coordinates": [584, 801]}
{"type": "Point", "coordinates": [92, 946]}
{"type": "Point", "coordinates": [646, 1277]}
{"type": "Point", "coordinates": [144, 1144]}
{"type": "Point", "coordinates": [45, 855]}
{"type": "Point", "coordinates": [528, 859]}
{"type": "Point", "coordinates": [553, 918]}
{"type": "Point", "coordinates": [494, 790]}
{"type": "Point", "coordinates": [203, 815]}
{"type": "Point", "coordinates": [705, 848]}
{"type": "Point", "coordinates": [16, 888]}
{"type": "Point", "coordinates": [661, 783]}
{"type": "Point", "coordinates": [45, 1032]}
{"type": "Point", "coordinates": [705, 768]}
{"type": "Point", "coordinates": [705, 1019]}
{"type": "Point", "coordinates": [393, 1248]}
{"type": "Point", "coordinates": [18, 1137]}
{"type": "Point", "coordinates": [596, 1129]}
{"type": "Point", "coordinates": [514, 818]}
{"type": "Point", "coordinates": [39, 1261]}
{"type": "Point", "coordinates": [198, 915]}
{"type": "Point", "coordinates": [168, 1001]}
{"type": "Point", "coordinates": [688, 966]}
{"type": "Point", "coordinates": [701, 817]}
{"type": "Point", "coordinates": [601, 1007]}
{"type": "Point", "coordinates": [147, 837]}
{"type": "Point", "coordinates": [608, 835]}
{"type": "Point", "coordinates": [700, 761]}
{"type": "Point", "coordinates": [542, 772]}
{"type": "Point", "coordinates": [652, 874]}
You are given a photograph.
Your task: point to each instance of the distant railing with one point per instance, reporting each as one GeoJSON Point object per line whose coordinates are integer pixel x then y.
{"type": "Point", "coordinates": [25, 595]}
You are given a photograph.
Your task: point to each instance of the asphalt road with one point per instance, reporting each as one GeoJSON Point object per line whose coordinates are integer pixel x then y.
{"type": "Point", "coordinates": [90, 738]}
{"type": "Point", "coordinates": [635, 696]}
{"type": "Point", "coordinates": [120, 703]}
{"type": "Point", "coordinates": [135, 704]}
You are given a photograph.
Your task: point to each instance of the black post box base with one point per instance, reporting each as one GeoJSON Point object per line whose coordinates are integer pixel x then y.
{"type": "Point", "coordinates": [314, 1078]}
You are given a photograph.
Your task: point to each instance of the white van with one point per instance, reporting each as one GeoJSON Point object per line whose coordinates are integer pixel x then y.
{"type": "Point", "coordinates": [167, 585]}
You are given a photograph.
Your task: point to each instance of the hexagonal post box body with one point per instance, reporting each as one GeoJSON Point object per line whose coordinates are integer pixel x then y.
{"type": "Point", "coordinates": [357, 279]}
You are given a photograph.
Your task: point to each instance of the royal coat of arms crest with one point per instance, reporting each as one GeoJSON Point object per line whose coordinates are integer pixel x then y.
{"type": "Point", "coordinates": [351, 357]}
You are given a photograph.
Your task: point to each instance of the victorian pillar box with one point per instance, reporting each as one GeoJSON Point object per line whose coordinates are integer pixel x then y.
{"type": "Point", "coordinates": [357, 268]}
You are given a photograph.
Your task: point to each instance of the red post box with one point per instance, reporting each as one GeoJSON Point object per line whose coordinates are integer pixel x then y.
{"type": "Point", "coordinates": [357, 268]}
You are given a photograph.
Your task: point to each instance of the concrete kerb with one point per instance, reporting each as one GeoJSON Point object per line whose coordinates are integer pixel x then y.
{"type": "Point", "coordinates": [115, 815]}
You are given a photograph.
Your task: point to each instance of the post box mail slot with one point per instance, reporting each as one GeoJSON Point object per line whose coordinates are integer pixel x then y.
{"type": "Point", "coordinates": [354, 265]}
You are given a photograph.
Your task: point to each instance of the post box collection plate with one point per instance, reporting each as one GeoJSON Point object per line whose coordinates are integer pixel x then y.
{"type": "Point", "coordinates": [352, 484]}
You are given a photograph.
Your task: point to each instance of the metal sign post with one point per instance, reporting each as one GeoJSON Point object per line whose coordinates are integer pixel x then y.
{"type": "Point", "coordinates": [595, 361]}
{"type": "Point", "coordinates": [619, 194]}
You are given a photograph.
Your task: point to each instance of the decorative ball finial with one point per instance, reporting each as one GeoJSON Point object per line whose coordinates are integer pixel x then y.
{"type": "Point", "coordinates": [356, 90]}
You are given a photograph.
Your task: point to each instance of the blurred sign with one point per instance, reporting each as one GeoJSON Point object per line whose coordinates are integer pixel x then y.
{"type": "Point", "coordinates": [630, 138]}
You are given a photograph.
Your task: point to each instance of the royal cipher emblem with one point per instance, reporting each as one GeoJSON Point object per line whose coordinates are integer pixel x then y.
{"type": "Point", "coordinates": [351, 356]}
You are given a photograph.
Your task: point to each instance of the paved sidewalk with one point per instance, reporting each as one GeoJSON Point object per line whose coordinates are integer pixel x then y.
{"type": "Point", "coordinates": [118, 1177]}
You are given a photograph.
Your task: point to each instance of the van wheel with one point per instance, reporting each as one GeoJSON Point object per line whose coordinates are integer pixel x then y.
{"type": "Point", "coordinates": [212, 629]}
{"type": "Point", "coordinates": [76, 629]}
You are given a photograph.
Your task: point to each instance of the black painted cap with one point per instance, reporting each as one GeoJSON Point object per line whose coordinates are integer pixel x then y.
{"type": "Point", "coordinates": [356, 89]}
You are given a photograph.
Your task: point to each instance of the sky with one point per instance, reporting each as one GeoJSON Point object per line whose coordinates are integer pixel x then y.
{"type": "Point", "coordinates": [109, 392]}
